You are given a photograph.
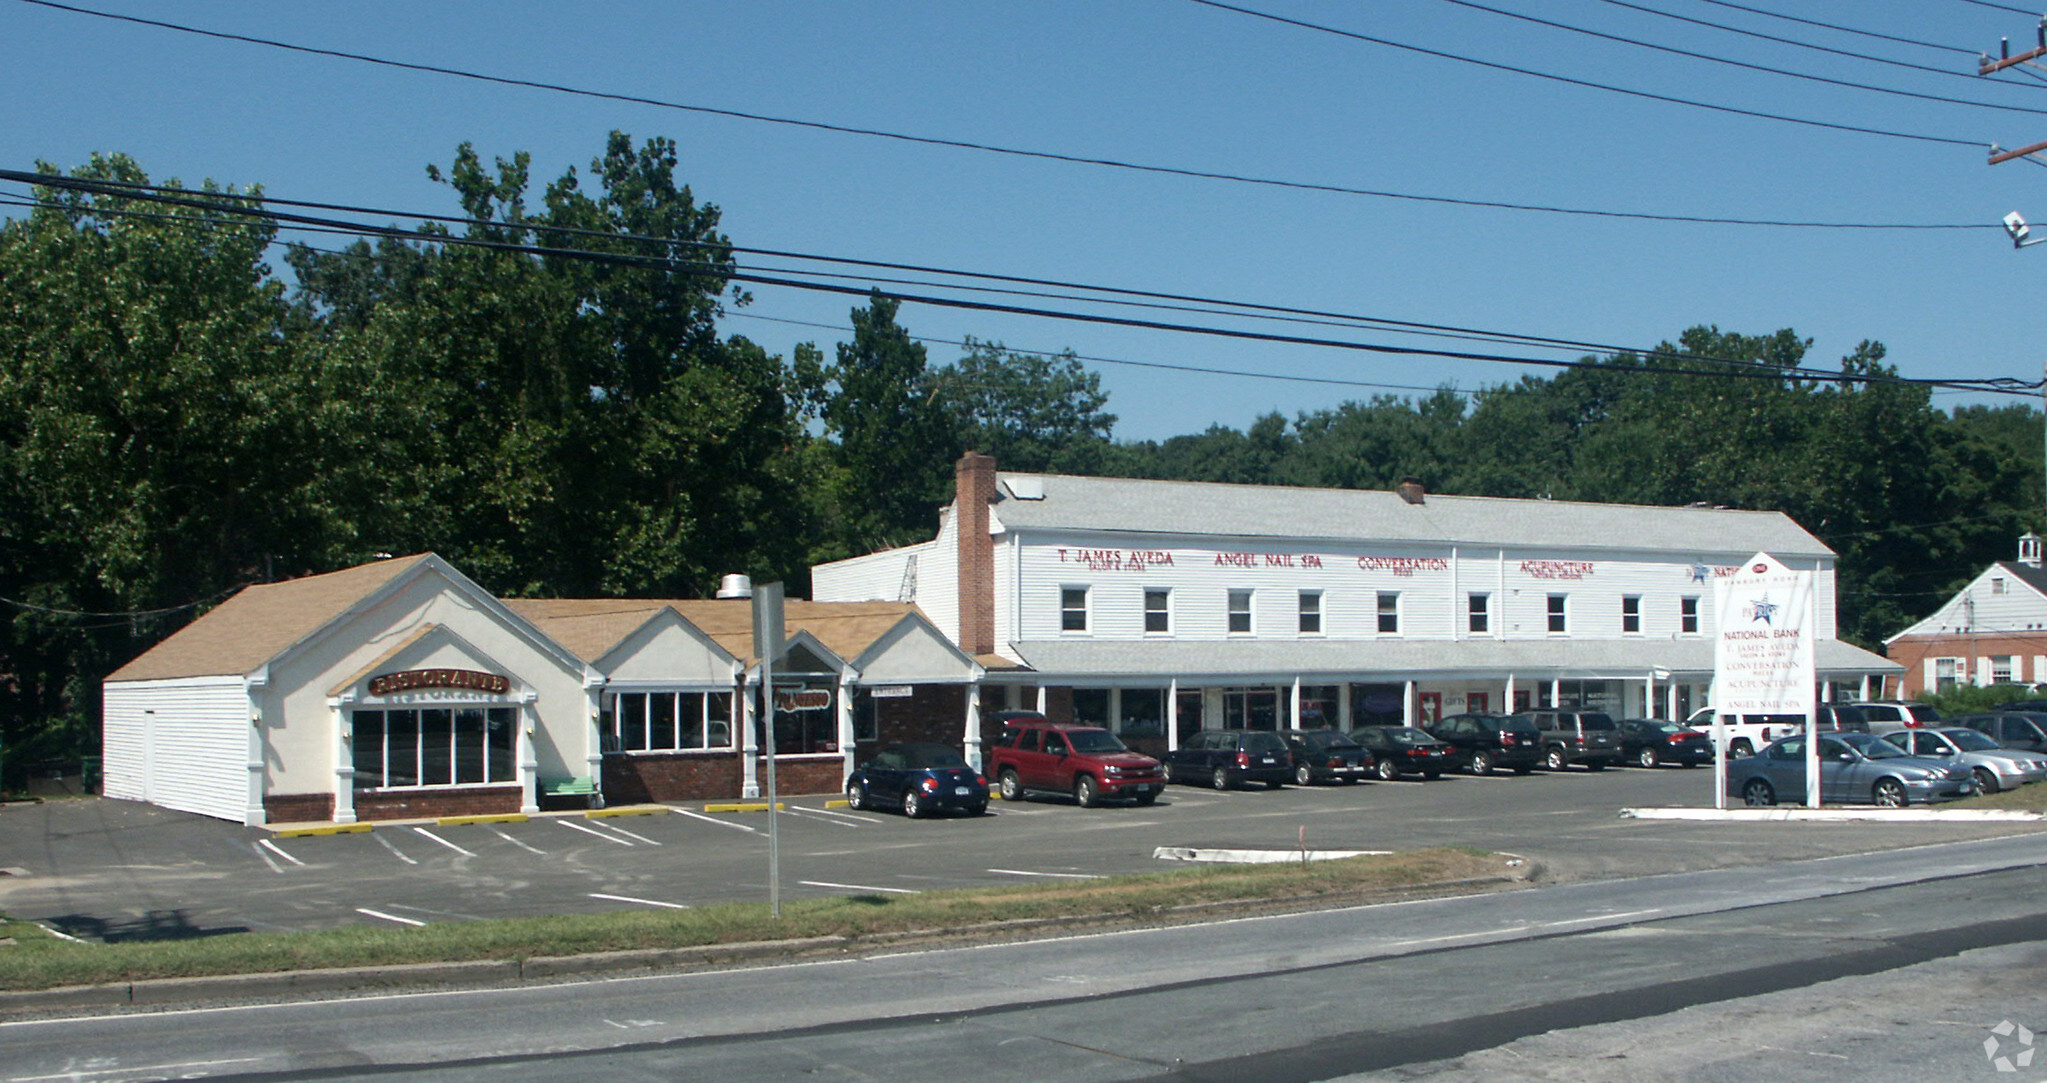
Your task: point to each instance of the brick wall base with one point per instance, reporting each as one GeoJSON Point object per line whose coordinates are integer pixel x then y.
{"type": "Point", "coordinates": [298, 808]}
{"type": "Point", "coordinates": [633, 780]}
{"type": "Point", "coordinates": [419, 804]}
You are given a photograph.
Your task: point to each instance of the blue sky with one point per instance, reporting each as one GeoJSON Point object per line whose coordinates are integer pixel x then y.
{"type": "Point", "coordinates": [1171, 83]}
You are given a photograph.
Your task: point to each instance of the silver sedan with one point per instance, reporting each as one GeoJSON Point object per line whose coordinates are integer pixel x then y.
{"type": "Point", "coordinates": [1994, 766]}
{"type": "Point", "coordinates": [1855, 768]}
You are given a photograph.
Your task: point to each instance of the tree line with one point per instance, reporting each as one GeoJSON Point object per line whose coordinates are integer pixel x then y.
{"type": "Point", "coordinates": [179, 419]}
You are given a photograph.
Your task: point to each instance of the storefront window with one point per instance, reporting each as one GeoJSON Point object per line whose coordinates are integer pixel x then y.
{"type": "Point", "coordinates": [433, 747]}
{"type": "Point", "coordinates": [1251, 709]}
{"type": "Point", "coordinates": [1378, 704]}
{"type": "Point", "coordinates": [1144, 713]}
{"type": "Point", "coordinates": [1091, 706]}
{"type": "Point", "coordinates": [664, 721]}
{"type": "Point", "coordinates": [807, 720]}
{"type": "Point", "coordinates": [1319, 709]}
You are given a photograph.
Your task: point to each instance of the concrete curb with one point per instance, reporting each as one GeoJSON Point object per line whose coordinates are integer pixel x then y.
{"type": "Point", "coordinates": [1256, 857]}
{"type": "Point", "coordinates": [1838, 815]}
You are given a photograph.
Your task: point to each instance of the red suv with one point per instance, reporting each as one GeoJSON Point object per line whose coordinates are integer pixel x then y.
{"type": "Point", "coordinates": [1035, 753]}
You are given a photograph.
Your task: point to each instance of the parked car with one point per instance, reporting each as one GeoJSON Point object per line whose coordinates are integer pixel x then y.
{"type": "Point", "coordinates": [1568, 737]}
{"type": "Point", "coordinates": [1326, 755]}
{"type": "Point", "coordinates": [1402, 750]}
{"type": "Point", "coordinates": [1653, 741]}
{"type": "Point", "coordinates": [2023, 729]}
{"type": "Point", "coordinates": [1745, 733]}
{"type": "Point", "coordinates": [919, 779]}
{"type": "Point", "coordinates": [1855, 768]}
{"type": "Point", "coordinates": [1483, 743]}
{"type": "Point", "coordinates": [1229, 758]}
{"type": "Point", "coordinates": [1994, 766]}
{"type": "Point", "coordinates": [2024, 706]}
{"type": "Point", "coordinates": [1841, 717]}
{"type": "Point", "coordinates": [1889, 716]}
{"type": "Point", "coordinates": [1035, 754]}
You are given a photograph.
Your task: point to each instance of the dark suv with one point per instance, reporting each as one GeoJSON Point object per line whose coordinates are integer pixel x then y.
{"type": "Point", "coordinates": [1486, 742]}
{"type": "Point", "coordinates": [1568, 737]}
{"type": "Point", "coordinates": [1227, 758]}
{"type": "Point", "coordinates": [1034, 753]}
{"type": "Point", "coordinates": [2012, 729]}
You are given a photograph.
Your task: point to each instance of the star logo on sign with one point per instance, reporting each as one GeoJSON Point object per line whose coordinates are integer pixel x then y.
{"type": "Point", "coordinates": [1700, 572]}
{"type": "Point", "coordinates": [1763, 609]}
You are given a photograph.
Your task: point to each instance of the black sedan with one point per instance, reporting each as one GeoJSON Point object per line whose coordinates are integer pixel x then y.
{"type": "Point", "coordinates": [1402, 750]}
{"type": "Point", "coordinates": [1327, 756]}
{"type": "Point", "coordinates": [920, 779]}
{"type": "Point", "coordinates": [1651, 741]}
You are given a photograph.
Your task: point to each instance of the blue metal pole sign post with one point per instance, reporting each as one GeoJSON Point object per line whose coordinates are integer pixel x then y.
{"type": "Point", "coordinates": [769, 639]}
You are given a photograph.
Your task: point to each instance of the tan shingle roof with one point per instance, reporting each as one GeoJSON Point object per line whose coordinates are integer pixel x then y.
{"type": "Point", "coordinates": [591, 627]}
{"type": "Point", "coordinates": [261, 622]}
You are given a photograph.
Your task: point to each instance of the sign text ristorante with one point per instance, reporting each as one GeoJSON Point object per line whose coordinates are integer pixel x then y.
{"type": "Point", "coordinates": [384, 684]}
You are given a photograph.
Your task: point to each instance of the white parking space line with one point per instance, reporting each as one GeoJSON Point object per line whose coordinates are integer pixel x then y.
{"type": "Point", "coordinates": [516, 842]}
{"type": "Point", "coordinates": [587, 830]}
{"type": "Point", "coordinates": [715, 820]}
{"type": "Point", "coordinates": [836, 819]}
{"type": "Point", "coordinates": [1059, 875]}
{"type": "Point", "coordinates": [444, 842]}
{"type": "Point", "coordinates": [395, 852]}
{"type": "Point", "coordinates": [388, 917]}
{"type": "Point", "coordinates": [642, 902]}
{"type": "Point", "coordinates": [273, 848]}
{"type": "Point", "coordinates": [608, 826]}
{"type": "Point", "coordinates": [859, 887]}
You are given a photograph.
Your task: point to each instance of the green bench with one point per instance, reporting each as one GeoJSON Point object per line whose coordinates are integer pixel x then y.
{"type": "Point", "coordinates": [580, 786]}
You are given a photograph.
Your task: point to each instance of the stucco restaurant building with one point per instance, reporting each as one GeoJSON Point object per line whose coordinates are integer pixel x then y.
{"type": "Point", "coordinates": [1160, 607]}
{"type": "Point", "coordinates": [403, 689]}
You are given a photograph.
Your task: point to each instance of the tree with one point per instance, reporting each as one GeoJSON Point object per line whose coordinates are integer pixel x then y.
{"type": "Point", "coordinates": [161, 440]}
{"type": "Point", "coordinates": [1030, 411]}
{"type": "Point", "coordinates": [896, 444]}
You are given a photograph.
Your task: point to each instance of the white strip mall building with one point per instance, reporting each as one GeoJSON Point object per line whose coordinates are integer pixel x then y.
{"type": "Point", "coordinates": [1160, 607]}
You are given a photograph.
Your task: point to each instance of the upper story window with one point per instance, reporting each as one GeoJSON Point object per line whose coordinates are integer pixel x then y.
{"type": "Point", "coordinates": [1240, 612]}
{"type": "Point", "coordinates": [1311, 613]}
{"type": "Point", "coordinates": [1997, 584]}
{"type": "Point", "coordinates": [2002, 668]}
{"type": "Point", "coordinates": [1688, 614]}
{"type": "Point", "coordinates": [1158, 610]}
{"type": "Point", "coordinates": [1478, 610]}
{"type": "Point", "coordinates": [1389, 612]}
{"type": "Point", "coordinates": [1073, 609]}
{"type": "Point", "coordinates": [1631, 614]}
{"type": "Point", "coordinates": [1558, 615]}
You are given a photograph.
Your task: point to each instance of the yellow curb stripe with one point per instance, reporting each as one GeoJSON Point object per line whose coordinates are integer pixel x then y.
{"type": "Point", "coordinates": [761, 806]}
{"type": "Point", "coordinates": [627, 810]}
{"type": "Point", "coordinates": [840, 803]}
{"type": "Point", "coordinates": [327, 829]}
{"type": "Point", "coordinates": [499, 818]}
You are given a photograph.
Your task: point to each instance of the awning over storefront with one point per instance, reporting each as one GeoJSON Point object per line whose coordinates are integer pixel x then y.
{"type": "Point", "coordinates": [1249, 661]}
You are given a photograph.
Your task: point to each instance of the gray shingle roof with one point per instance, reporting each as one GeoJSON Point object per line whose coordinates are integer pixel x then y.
{"type": "Point", "coordinates": [1131, 505]}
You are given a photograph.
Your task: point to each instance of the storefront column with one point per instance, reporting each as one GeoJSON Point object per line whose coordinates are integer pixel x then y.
{"type": "Point", "coordinates": [1864, 697]}
{"type": "Point", "coordinates": [845, 721]}
{"type": "Point", "coordinates": [1295, 708]}
{"type": "Point", "coordinates": [1343, 715]}
{"type": "Point", "coordinates": [749, 748]}
{"type": "Point", "coordinates": [253, 814]}
{"type": "Point", "coordinates": [1407, 705]}
{"type": "Point", "coordinates": [1173, 714]}
{"type": "Point", "coordinates": [1507, 704]}
{"type": "Point", "coordinates": [593, 746]}
{"type": "Point", "coordinates": [971, 744]}
{"type": "Point", "coordinates": [1649, 696]}
{"type": "Point", "coordinates": [344, 762]}
{"type": "Point", "coordinates": [528, 755]}
{"type": "Point", "coordinates": [1041, 699]}
{"type": "Point", "coordinates": [1556, 692]}
{"type": "Point", "coordinates": [1670, 697]}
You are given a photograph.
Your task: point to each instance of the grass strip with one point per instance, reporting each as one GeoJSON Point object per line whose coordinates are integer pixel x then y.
{"type": "Point", "coordinates": [2031, 796]}
{"type": "Point", "coordinates": [35, 959]}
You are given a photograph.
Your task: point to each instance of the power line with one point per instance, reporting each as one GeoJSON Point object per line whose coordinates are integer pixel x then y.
{"type": "Point", "coordinates": [1610, 88]}
{"type": "Point", "coordinates": [1972, 76]}
{"type": "Point", "coordinates": [1075, 159]}
{"type": "Point", "coordinates": [1743, 64]}
{"type": "Point", "coordinates": [2000, 7]}
{"type": "Point", "coordinates": [1842, 29]}
{"type": "Point", "coordinates": [1744, 368]}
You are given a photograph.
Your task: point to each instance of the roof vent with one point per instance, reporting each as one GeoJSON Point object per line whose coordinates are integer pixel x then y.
{"type": "Point", "coordinates": [735, 586]}
{"type": "Point", "coordinates": [2029, 550]}
{"type": "Point", "coordinates": [1410, 490]}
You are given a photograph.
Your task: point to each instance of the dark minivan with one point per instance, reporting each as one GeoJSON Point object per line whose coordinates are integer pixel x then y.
{"type": "Point", "coordinates": [1568, 737]}
{"type": "Point", "coordinates": [1482, 743]}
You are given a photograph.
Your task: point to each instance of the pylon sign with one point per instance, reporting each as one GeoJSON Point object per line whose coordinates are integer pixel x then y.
{"type": "Point", "coordinates": [1763, 655]}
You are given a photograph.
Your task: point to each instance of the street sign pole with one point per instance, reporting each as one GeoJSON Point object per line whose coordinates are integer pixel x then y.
{"type": "Point", "coordinates": [768, 633]}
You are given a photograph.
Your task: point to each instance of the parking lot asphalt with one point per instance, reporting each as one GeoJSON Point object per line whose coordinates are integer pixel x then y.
{"type": "Point", "coordinates": [116, 870]}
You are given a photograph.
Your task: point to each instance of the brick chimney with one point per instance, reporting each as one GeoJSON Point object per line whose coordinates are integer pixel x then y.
{"type": "Point", "coordinates": [974, 491]}
{"type": "Point", "coordinates": [1410, 490]}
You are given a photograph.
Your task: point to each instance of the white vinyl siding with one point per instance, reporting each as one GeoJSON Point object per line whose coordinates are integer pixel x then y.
{"type": "Point", "coordinates": [182, 744]}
